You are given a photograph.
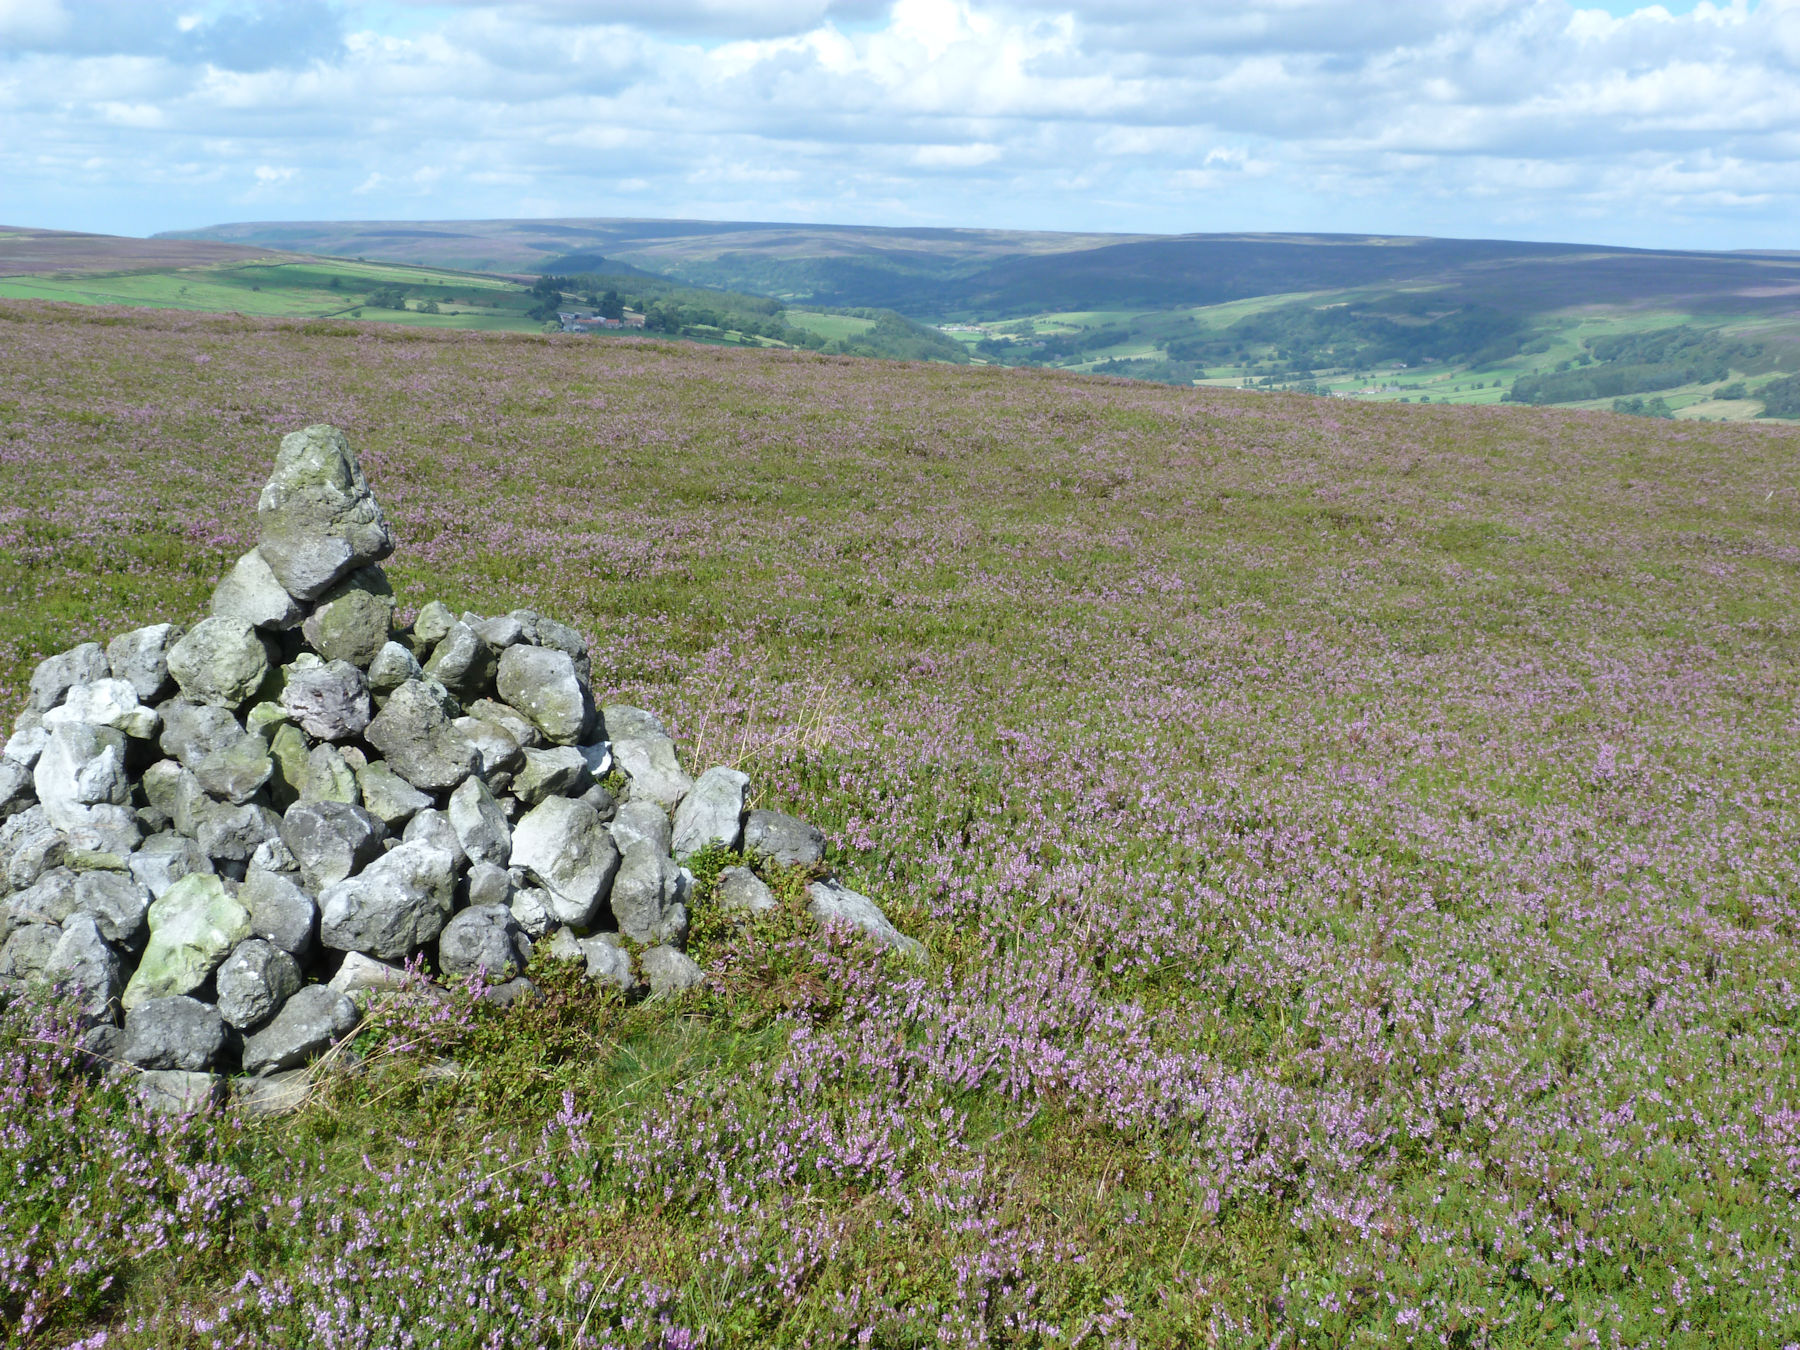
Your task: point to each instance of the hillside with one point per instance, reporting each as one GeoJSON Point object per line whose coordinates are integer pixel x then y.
{"type": "Point", "coordinates": [1354, 845]}
{"type": "Point", "coordinates": [1241, 310]}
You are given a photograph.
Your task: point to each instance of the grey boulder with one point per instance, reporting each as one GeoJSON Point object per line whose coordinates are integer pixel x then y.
{"type": "Point", "coordinates": [17, 788]}
{"type": "Point", "coordinates": [544, 685]}
{"type": "Point", "coordinates": [106, 703]}
{"type": "Point", "coordinates": [669, 972]}
{"type": "Point", "coordinates": [249, 591]}
{"type": "Point", "coordinates": [235, 773]}
{"type": "Point", "coordinates": [648, 896]}
{"type": "Point", "coordinates": [30, 845]}
{"type": "Point", "coordinates": [711, 813]}
{"type": "Point", "coordinates": [463, 663]}
{"type": "Point", "coordinates": [833, 905]}
{"type": "Point", "coordinates": [173, 1033]}
{"type": "Point", "coordinates": [221, 661]}
{"type": "Point", "coordinates": [330, 702]}
{"type": "Point", "coordinates": [331, 840]}
{"type": "Point", "coordinates": [557, 772]}
{"type": "Point", "coordinates": [256, 979]}
{"type": "Point", "coordinates": [480, 824]}
{"type": "Point", "coordinates": [394, 906]}
{"type": "Point", "coordinates": [783, 838]}
{"type": "Point", "coordinates": [642, 749]}
{"type": "Point", "coordinates": [232, 834]}
{"type": "Point", "coordinates": [280, 911]}
{"type": "Point", "coordinates": [84, 964]}
{"type": "Point", "coordinates": [642, 820]}
{"type": "Point", "coordinates": [308, 1024]}
{"type": "Point", "coordinates": [118, 903]}
{"type": "Point", "coordinates": [142, 658]}
{"type": "Point", "coordinates": [177, 1092]}
{"type": "Point", "coordinates": [392, 667]}
{"type": "Point", "coordinates": [319, 520]}
{"type": "Point", "coordinates": [563, 845]}
{"type": "Point", "coordinates": [740, 891]}
{"type": "Point", "coordinates": [417, 740]}
{"type": "Point", "coordinates": [82, 767]}
{"type": "Point", "coordinates": [192, 731]}
{"type": "Point", "coordinates": [486, 938]}
{"type": "Point", "coordinates": [164, 859]}
{"type": "Point", "coordinates": [55, 675]}
{"type": "Point", "coordinates": [389, 797]}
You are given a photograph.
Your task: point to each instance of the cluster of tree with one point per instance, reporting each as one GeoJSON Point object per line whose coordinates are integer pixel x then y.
{"type": "Point", "coordinates": [1781, 398]}
{"type": "Point", "coordinates": [676, 310]}
{"type": "Point", "coordinates": [1638, 363]}
{"type": "Point", "coordinates": [1410, 328]}
{"type": "Point", "coordinates": [388, 297]}
{"type": "Point", "coordinates": [1637, 407]}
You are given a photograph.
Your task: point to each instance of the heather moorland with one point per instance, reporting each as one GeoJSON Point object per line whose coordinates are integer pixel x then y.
{"type": "Point", "coordinates": [1354, 845]}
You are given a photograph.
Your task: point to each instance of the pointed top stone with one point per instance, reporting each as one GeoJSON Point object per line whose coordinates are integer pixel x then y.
{"type": "Point", "coordinates": [319, 520]}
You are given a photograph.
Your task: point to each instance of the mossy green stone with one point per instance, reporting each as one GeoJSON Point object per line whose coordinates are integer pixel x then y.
{"type": "Point", "coordinates": [290, 752]}
{"type": "Point", "coordinates": [192, 930]}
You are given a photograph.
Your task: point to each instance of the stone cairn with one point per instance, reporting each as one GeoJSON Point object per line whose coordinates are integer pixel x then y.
{"type": "Point", "coordinates": [224, 841]}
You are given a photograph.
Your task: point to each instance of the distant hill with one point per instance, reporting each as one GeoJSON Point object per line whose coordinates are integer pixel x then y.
{"type": "Point", "coordinates": [998, 273]}
{"type": "Point", "coordinates": [25, 251]}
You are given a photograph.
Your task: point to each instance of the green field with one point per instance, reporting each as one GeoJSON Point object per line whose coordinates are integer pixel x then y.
{"type": "Point", "coordinates": [833, 326]}
{"type": "Point", "coordinates": [315, 290]}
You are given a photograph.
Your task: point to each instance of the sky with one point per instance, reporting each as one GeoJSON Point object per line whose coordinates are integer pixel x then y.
{"type": "Point", "coordinates": [1673, 125]}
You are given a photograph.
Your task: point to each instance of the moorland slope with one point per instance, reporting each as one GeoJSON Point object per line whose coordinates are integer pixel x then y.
{"type": "Point", "coordinates": [1354, 845]}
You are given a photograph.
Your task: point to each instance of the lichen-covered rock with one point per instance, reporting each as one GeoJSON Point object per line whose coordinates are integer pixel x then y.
{"type": "Point", "coordinates": [565, 848]}
{"type": "Point", "coordinates": [486, 938]}
{"type": "Point", "coordinates": [712, 813]}
{"type": "Point", "coordinates": [353, 619]}
{"type": "Point", "coordinates": [173, 1033]}
{"type": "Point", "coordinates": [83, 963]}
{"type": "Point", "coordinates": [833, 905]}
{"type": "Point", "coordinates": [280, 911]}
{"type": "Point", "coordinates": [249, 591]}
{"type": "Point", "coordinates": [256, 979]}
{"type": "Point", "coordinates": [669, 972]}
{"type": "Point", "coordinates": [783, 838]}
{"type": "Point", "coordinates": [329, 777]}
{"type": "Point", "coordinates": [418, 742]}
{"type": "Point", "coordinates": [389, 797]}
{"type": "Point", "coordinates": [141, 657]}
{"type": "Point", "coordinates": [164, 859]}
{"type": "Point", "coordinates": [646, 754]}
{"type": "Point", "coordinates": [435, 620]}
{"type": "Point", "coordinates": [237, 772]}
{"type": "Point", "coordinates": [56, 674]}
{"type": "Point", "coordinates": [741, 891]}
{"type": "Point", "coordinates": [488, 884]}
{"type": "Point", "coordinates": [560, 771]}
{"type": "Point", "coordinates": [192, 731]}
{"type": "Point", "coordinates": [308, 1025]}
{"type": "Point", "coordinates": [331, 840]}
{"type": "Point", "coordinates": [318, 518]}
{"type": "Point", "coordinates": [25, 951]}
{"type": "Point", "coordinates": [607, 960]}
{"type": "Point", "coordinates": [649, 896]}
{"type": "Point", "coordinates": [463, 663]}
{"type": "Point", "coordinates": [193, 928]}
{"type": "Point", "coordinates": [392, 907]}
{"type": "Point", "coordinates": [106, 703]}
{"type": "Point", "coordinates": [178, 1092]}
{"type": "Point", "coordinates": [221, 661]}
{"type": "Point", "coordinates": [480, 824]}
{"type": "Point", "coordinates": [392, 667]}
{"type": "Point", "coordinates": [544, 686]}
{"type": "Point", "coordinates": [330, 702]}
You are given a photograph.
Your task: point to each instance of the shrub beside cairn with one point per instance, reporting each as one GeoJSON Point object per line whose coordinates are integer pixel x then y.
{"type": "Point", "coordinates": [223, 841]}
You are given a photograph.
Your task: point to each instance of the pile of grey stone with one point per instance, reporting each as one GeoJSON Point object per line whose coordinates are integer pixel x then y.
{"type": "Point", "coordinates": [224, 841]}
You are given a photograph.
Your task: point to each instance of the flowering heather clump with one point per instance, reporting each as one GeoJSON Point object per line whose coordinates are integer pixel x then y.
{"type": "Point", "coordinates": [1355, 846]}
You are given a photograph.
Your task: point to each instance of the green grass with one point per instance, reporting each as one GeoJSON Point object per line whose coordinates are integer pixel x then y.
{"type": "Point", "coordinates": [296, 290]}
{"type": "Point", "coordinates": [832, 326]}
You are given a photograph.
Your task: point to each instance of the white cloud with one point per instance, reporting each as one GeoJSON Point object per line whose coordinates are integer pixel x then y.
{"type": "Point", "coordinates": [1415, 116]}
